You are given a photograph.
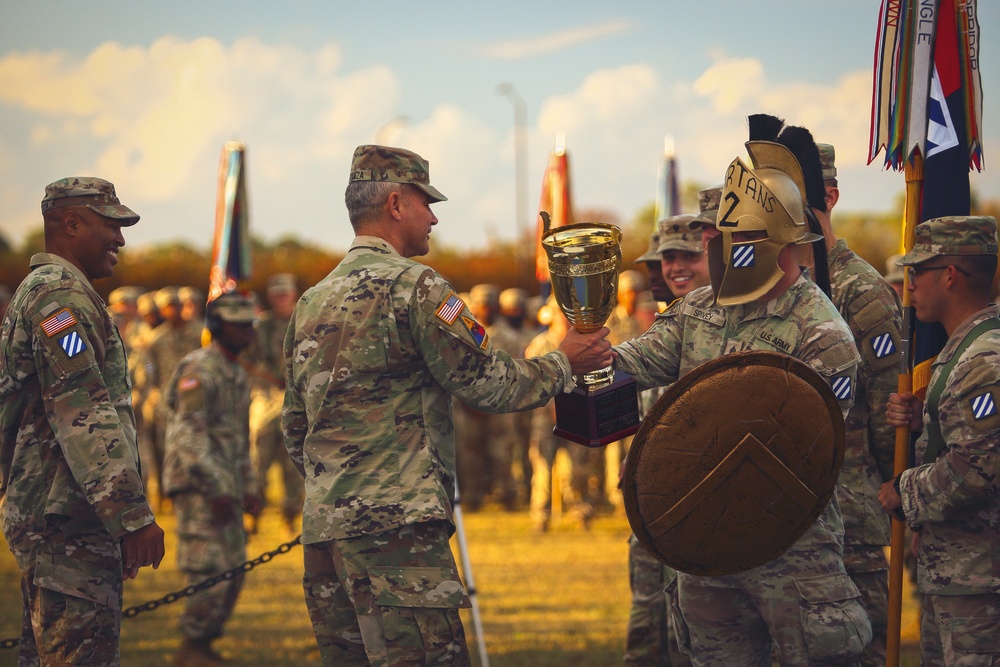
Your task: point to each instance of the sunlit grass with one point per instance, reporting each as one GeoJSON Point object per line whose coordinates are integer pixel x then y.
{"type": "Point", "coordinates": [546, 600]}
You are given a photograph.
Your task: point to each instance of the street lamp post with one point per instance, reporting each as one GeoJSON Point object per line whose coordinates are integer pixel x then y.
{"type": "Point", "coordinates": [520, 157]}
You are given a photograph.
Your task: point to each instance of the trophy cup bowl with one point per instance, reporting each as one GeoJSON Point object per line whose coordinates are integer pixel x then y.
{"type": "Point", "coordinates": [584, 262]}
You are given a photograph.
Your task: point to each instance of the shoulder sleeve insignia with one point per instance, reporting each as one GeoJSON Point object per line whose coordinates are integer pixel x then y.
{"type": "Point", "coordinates": [450, 308]}
{"type": "Point", "coordinates": [188, 383]}
{"type": "Point", "coordinates": [883, 346]}
{"type": "Point", "coordinates": [72, 344]}
{"type": "Point", "coordinates": [841, 386]}
{"type": "Point", "coordinates": [983, 406]}
{"type": "Point", "coordinates": [61, 320]}
{"type": "Point", "coordinates": [478, 332]}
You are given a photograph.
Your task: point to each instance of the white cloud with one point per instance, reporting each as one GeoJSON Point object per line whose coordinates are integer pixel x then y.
{"type": "Point", "coordinates": [516, 49]}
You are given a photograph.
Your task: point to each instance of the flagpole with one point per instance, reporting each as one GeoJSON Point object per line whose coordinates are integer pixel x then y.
{"type": "Point", "coordinates": [914, 172]}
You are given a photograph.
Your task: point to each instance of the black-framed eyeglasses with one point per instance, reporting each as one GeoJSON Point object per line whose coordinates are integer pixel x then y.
{"type": "Point", "coordinates": [914, 272]}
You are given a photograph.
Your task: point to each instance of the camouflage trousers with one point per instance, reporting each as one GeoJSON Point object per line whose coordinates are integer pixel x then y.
{"type": "Point", "coordinates": [650, 640]}
{"type": "Point", "coordinates": [569, 473]}
{"type": "Point", "coordinates": [869, 570]}
{"type": "Point", "coordinates": [205, 549]}
{"type": "Point", "coordinates": [390, 599]}
{"type": "Point", "coordinates": [803, 605]}
{"type": "Point", "coordinates": [267, 446]}
{"type": "Point", "coordinates": [71, 586]}
{"type": "Point", "coordinates": [960, 630]}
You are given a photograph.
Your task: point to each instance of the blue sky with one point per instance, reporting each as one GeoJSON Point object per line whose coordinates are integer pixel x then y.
{"type": "Point", "coordinates": [146, 93]}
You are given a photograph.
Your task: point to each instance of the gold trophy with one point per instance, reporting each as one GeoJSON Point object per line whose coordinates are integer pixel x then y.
{"type": "Point", "coordinates": [584, 262]}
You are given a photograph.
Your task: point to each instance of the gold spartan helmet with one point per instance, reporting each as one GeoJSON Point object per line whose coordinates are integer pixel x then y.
{"type": "Point", "coordinates": [770, 198]}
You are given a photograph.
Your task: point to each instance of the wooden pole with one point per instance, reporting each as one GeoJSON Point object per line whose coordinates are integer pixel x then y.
{"type": "Point", "coordinates": [914, 171]}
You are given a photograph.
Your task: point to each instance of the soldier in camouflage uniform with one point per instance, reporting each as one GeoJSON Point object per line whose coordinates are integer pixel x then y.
{"type": "Point", "coordinates": [802, 604]}
{"type": "Point", "coordinates": [650, 639]}
{"type": "Point", "coordinates": [873, 312]}
{"type": "Point", "coordinates": [951, 499]}
{"type": "Point", "coordinates": [173, 339]}
{"type": "Point", "coordinates": [74, 514]}
{"type": "Point", "coordinates": [207, 471]}
{"type": "Point", "coordinates": [267, 393]}
{"type": "Point", "coordinates": [373, 353]}
{"type": "Point", "coordinates": [514, 313]}
{"type": "Point", "coordinates": [192, 303]}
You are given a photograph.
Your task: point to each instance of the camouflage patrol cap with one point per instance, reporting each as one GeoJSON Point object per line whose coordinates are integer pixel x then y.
{"type": "Point", "coordinates": [708, 207]}
{"type": "Point", "coordinates": [166, 296]}
{"type": "Point", "coordinates": [96, 194]}
{"type": "Point", "coordinates": [126, 294]}
{"type": "Point", "coordinates": [232, 307]}
{"type": "Point", "coordinates": [953, 235]}
{"type": "Point", "coordinates": [145, 303]}
{"type": "Point", "coordinates": [651, 254]}
{"type": "Point", "coordinates": [893, 271]}
{"type": "Point", "coordinates": [281, 283]}
{"type": "Point", "coordinates": [485, 293]}
{"type": "Point", "coordinates": [396, 165]}
{"type": "Point", "coordinates": [677, 233]}
{"type": "Point", "coordinates": [513, 298]}
{"type": "Point", "coordinates": [827, 156]}
{"type": "Point", "coordinates": [189, 294]}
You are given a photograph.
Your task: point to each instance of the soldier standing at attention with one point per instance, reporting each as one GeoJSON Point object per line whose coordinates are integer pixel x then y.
{"type": "Point", "coordinates": [872, 310]}
{"type": "Point", "coordinates": [267, 393]}
{"type": "Point", "coordinates": [765, 304]}
{"type": "Point", "coordinates": [374, 353]}
{"type": "Point", "coordinates": [207, 471]}
{"type": "Point", "coordinates": [74, 513]}
{"type": "Point", "coordinates": [951, 499]}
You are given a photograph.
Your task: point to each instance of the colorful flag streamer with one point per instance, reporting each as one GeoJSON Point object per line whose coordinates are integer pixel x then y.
{"type": "Point", "coordinates": [556, 200]}
{"type": "Point", "coordinates": [231, 247]}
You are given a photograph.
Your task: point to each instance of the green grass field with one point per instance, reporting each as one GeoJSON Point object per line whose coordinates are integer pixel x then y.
{"type": "Point", "coordinates": [559, 598]}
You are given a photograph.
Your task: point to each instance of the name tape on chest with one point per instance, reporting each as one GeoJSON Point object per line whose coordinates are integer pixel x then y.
{"type": "Point", "coordinates": [983, 406]}
{"type": "Point", "coordinates": [450, 308]}
{"type": "Point", "coordinates": [61, 320]}
{"type": "Point", "coordinates": [72, 344]}
{"type": "Point", "coordinates": [883, 345]}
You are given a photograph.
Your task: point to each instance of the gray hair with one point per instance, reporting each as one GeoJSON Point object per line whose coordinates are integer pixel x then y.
{"type": "Point", "coordinates": [364, 199]}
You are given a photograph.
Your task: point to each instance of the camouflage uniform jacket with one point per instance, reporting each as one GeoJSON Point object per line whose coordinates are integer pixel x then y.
{"type": "Point", "coordinates": [207, 448]}
{"type": "Point", "coordinates": [373, 353]}
{"type": "Point", "coordinates": [68, 443]}
{"type": "Point", "coordinates": [266, 355]}
{"type": "Point", "coordinates": [955, 501]}
{"type": "Point", "coordinates": [872, 311]}
{"type": "Point", "coordinates": [801, 322]}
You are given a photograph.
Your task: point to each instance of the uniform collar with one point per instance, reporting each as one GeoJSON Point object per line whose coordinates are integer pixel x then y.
{"type": "Point", "coordinates": [42, 258]}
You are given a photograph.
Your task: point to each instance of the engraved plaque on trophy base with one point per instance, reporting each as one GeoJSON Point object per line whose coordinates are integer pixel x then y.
{"type": "Point", "coordinates": [599, 416]}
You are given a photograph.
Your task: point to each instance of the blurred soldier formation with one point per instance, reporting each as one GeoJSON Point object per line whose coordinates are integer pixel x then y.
{"type": "Point", "coordinates": [456, 403]}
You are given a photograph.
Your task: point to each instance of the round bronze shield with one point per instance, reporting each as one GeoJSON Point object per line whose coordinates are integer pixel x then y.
{"type": "Point", "coordinates": [734, 463]}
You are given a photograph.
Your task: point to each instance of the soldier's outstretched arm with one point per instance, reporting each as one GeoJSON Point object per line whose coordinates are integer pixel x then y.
{"type": "Point", "coordinates": [587, 352]}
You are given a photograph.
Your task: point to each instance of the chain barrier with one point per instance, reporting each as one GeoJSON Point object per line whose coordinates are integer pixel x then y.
{"type": "Point", "coordinates": [190, 590]}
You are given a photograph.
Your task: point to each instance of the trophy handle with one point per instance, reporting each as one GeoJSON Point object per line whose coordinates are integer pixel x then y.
{"type": "Point", "coordinates": [546, 222]}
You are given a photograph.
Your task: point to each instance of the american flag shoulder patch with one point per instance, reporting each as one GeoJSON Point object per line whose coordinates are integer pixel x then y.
{"type": "Point", "coordinates": [187, 383]}
{"type": "Point", "coordinates": [983, 406]}
{"type": "Point", "coordinates": [72, 344]}
{"type": "Point", "coordinates": [841, 387]}
{"type": "Point", "coordinates": [61, 320]}
{"type": "Point", "coordinates": [883, 346]}
{"type": "Point", "coordinates": [450, 308]}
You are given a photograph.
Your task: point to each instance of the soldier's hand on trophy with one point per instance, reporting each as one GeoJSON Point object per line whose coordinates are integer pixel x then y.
{"type": "Point", "coordinates": [587, 352]}
{"type": "Point", "coordinates": [905, 410]}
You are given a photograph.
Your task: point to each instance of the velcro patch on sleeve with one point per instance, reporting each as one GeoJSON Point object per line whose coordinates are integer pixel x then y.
{"type": "Point", "coordinates": [479, 334]}
{"type": "Point", "coordinates": [450, 308]}
{"type": "Point", "coordinates": [58, 322]}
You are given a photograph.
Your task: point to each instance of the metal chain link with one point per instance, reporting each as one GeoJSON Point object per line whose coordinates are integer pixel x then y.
{"type": "Point", "coordinates": [192, 589]}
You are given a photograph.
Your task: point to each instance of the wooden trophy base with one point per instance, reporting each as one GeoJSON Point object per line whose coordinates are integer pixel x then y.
{"type": "Point", "coordinates": [595, 418]}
